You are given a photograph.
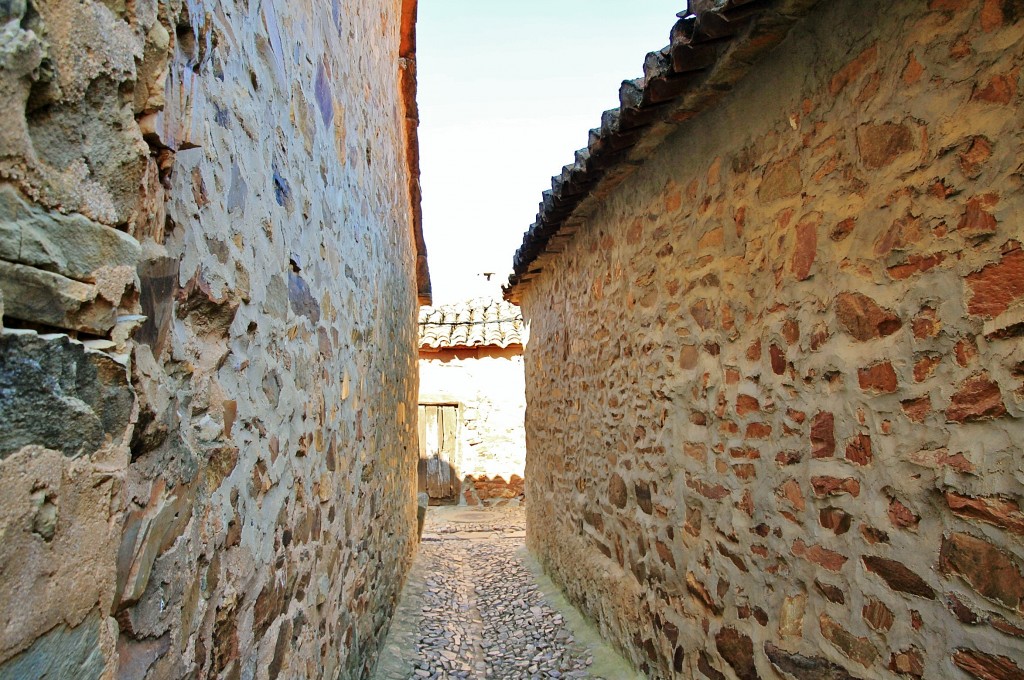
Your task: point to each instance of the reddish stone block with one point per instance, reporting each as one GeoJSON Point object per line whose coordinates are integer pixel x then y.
{"type": "Point", "coordinates": [758, 431]}
{"type": "Point", "coordinates": [863, 318]}
{"type": "Point", "coordinates": [738, 651]}
{"type": "Point", "coordinates": [788, 457]}
{"type": "Point", "coordinates": [987, 666]}
{"type": "Point", "coordinates": [843, 229]}
{"type": "Point", "coordinates": [995, 287]}
{"type": "Point", "coordinates": [696, 450]}
{"type": "Point", "coordinates": [712, 491]}
{"type": "Point", "coordinates": [925, 366]}
{"type": "Point", "coordinates": [1004, 626]}
{"type": "Point", "coordinates": [823, 437]}
{"type": "Point", "coordinates": [915, 264]}
{"type": "Point", "coordinates": [976, 220]}
{"type": "Point", "coordinates": [901, 516]}
{"type": "Point", "coordinates": [853, 70]}
{"type": "Point", "coordinates": [617, 492]}
{"type": "Point", "coordinates": [806, 249]}
{"type": "Point", "coordinates": [832, 593]}
{"type": "Point", "coordinates": [834, 486]}
{"type": "Point", "coordinates": [961, 611]}
{"type": "Point", "coordinates": [977, 398]}
{"type": "Point", "coordinates": [996, 13]}
{"type": "Point", "coordinates": [993, 573]}
{"type": "Point", "coordinates": [781, 180]}
{"type": "Point", "coordinates": [754, 351]}
{"type": "Point", "coordinates": [747, 404]}
{"type": "Point", "coordinates": [665, 553]}
{"type": "Point", "coordinates": [973, 158]}
{"type": "Point", "coordinates": [791, 491]}
{"type": "Point", "coordinates": [1000, 89]}
{"type": "Point", "coordinates": [898, 577]}
{"type": "Point", "coordinates": [703, 313]}
{"type": "Point", "coordinates": [872, 535]}
{"type": "Point", "coordinates": [823, 557]}
{"type": "Point", "coordinates": [925, 324]}
{"type": "Point", "coordinates": [745, 452]}
{"type": "Point", "coordinates": [835, 519]}
{"type": "Point", "coordinates": [965, 352]}
{"type": "Point", "coordinates": [917, 409]}
{"type": "Point", "coordinates": [877, 615]}
{"type": "Point", "coordinates": [881, 144]}
{"type": "Point", "coordinates": [745, 471]}
{"type": "Point", "coordinates": [905, 233]}
{"type": "Point", "coordinates": [879, 377]}
{"type": "Point", "coordinates": [859, 450]}
{"type": "Point", "coordinates": [909, 662]}
{"type": "Point", "coordinates": [856, 648]}
{"type": "Point", "coordinates": [688, 356]}
{"type": "Point", "coordinates": [802, 667]}
{"type": "Point", "coordinates": [1000, 512]}
{"type": "Point", "coordinates": [778, 359]}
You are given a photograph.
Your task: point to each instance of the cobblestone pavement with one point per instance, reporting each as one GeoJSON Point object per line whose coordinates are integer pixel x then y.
{"type": "Point", "coordinates": [474, 607]}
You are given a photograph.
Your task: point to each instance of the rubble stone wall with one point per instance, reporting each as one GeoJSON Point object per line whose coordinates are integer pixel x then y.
{"type": "Point", "coordinates": [775, 382]}
{"type": "Point", "coordinates": [487, 384]}
{"type": "Point", "coordinates": [207, 366]}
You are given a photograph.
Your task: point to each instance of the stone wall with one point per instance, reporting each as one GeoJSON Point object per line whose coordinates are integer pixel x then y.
{"type": "Point", "coordinates": [207, 365]}
{"type": "Point", "coordinates": [776, 380]}
{"type": "Point", "coordinates": [487, 384]}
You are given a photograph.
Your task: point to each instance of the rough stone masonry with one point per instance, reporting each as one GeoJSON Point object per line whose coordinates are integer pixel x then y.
{"type": "Point", "coordinates": [209, 266]}
{"type": "Point", "coordinates": [776, 368]}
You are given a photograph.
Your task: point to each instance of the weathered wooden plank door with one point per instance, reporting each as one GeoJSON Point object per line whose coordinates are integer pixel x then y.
{"type": "Point", "coordinates": [438, 428]}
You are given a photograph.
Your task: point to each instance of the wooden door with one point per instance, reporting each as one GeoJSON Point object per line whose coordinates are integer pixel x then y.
{"type": "Point", "coordinates": [438, 427]}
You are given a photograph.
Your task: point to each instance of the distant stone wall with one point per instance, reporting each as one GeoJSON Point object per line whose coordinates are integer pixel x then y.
{"type": "Point", "coordinates": [776, 380]}
{"type": "Point", "coordinates": [487, 384]}
{"type": "Point", "coordinates": [207, 364]}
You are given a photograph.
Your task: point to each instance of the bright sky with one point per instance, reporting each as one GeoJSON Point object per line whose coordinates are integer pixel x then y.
{"type": "Point", "coordinates": [507, 93]}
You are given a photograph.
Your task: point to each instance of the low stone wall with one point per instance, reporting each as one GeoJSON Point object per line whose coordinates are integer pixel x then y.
{"type": "Point", "coordinates": [207, 365]}
{"type": "Point", "coordinates": [776, 379]}
{"type": "Point", "coordinates": [493, 491]}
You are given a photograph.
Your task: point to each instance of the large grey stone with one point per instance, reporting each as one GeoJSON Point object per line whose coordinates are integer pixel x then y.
{"type": "Point", "coordinates": [71, 245]}
{"type": "Point", "coordinates": [55, 393]}
{"type": "Point", "coordinates": [50, 299]}
{"type": "Point", "coordinates": [61, 653]}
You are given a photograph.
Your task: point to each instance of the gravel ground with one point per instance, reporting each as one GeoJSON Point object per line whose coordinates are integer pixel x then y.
{"type": "Point", "coordinates": [473, 608]}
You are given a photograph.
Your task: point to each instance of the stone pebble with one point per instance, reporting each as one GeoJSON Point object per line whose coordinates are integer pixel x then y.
{"type": "Point", "coordinates": [482, 614]}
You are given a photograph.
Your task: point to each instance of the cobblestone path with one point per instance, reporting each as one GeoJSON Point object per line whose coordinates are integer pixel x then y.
{"type": "Point", "coordinates": [474, 608]}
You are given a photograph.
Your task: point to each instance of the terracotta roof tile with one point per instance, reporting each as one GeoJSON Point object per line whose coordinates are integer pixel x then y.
{"type": "Point", "coordinates": [481, 322]}
{"type": "Point", "coordinates": [711, 47]}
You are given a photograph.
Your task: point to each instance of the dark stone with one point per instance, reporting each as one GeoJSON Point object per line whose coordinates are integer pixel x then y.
{"type": "Point", "coordinates": [324, 98]}
{"type": "Point", "coordinates": [802, 667]}
{"type": "Point", "coordinates": [61, 653]}
{"type": "Point", "coordinates": [54, 393]}
{"type": "Point", "coordinates": [300, 299]}
{"type": "Point", "coordinates": [135, 658]}
{"type": "Point", "coordinates": [991, 572]}
{"type": "Point", "coordinates": [705, 667]}
{"type": "Point", "coordinates": [898, 577]}
{"type": "Point", "coordinates": [617, 493]}
{"type": "Point", "coordinates": [282, 190]}
{"type": "Point", "coordinates": [643, 497]}
{"type": "Point", "coordinates": [238, 191]}
{"type": "Point", "coordinates": [738, 651]}
{"type": "Point", "coordinates": [158, 279]}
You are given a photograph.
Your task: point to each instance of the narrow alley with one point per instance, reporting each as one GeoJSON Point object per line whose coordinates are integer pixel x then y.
{"type": "Point", "coordinates": [477, 606]}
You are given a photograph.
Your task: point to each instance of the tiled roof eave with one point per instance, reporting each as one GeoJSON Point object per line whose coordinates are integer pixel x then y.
{"type": "Point", "coordinates": [714, 44]}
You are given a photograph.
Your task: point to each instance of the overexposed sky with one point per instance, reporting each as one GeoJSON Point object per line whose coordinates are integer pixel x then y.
{"type": "Point", "coordinates": [507, 93]}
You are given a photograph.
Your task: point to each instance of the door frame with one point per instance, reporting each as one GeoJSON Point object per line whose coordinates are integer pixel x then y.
{"type": "Point", "coordinates": [457, 453]}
